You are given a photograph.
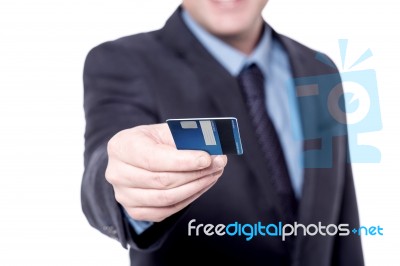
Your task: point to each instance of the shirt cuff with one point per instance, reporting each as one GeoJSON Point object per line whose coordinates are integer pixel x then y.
{"type": "Point", "coordinates": [138, 226]}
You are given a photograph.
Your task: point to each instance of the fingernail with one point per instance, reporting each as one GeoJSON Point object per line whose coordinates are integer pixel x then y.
{"type": "Point", "coordinates": [219, 162]}
{"type": "Point", "coordinates": [203, 162]}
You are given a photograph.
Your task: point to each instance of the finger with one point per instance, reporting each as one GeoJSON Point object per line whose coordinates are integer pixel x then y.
{"type": "Point", "coordinates": [137, 197]}
{"type": "Point", "coordinates": [160, 133]}
{"type": "Point", "coordinates": [157, 214]}
{"type": "Point", "coordinates": [134, 177]}
{"type": "Point", "coordinates": [149, 147]}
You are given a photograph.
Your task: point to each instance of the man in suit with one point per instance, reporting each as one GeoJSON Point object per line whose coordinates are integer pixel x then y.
{"type": "Point", "coordinates": [140, 190]}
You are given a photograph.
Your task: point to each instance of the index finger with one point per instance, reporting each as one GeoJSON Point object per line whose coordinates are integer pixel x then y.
{"type": "Point", "coordinates": [150, 148]}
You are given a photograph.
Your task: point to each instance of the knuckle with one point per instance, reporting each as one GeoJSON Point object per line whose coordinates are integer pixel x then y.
{"type": "Point", "coordinates": [149, 163]}
{"type": "Point", "coordinates": [109, 172]}
{"type": "Point", "coordinates": [111, 144]}
{"type": "Point", "coordinates": [165, 198]}
{"type": "Point", "coordinates": [203, 172]}
{"type": "Point", "coordinates": [145, 214]}
{"type": "Point", "coordinates": [219, 173]}
{"type": "Point", "coordinates": [111, 175]}
{"type": "Point", "coordinates": [181, 160]}
{"type": "Point", "coordinates": [206, 181]}
{"type": "Point", "coordinates": [119, 197]}
{"type": "Point", "coordinates": [163, 180]}
{"type": "Point", "coordinates": [159, 218]}
{"type": "Point", "coordinates": [138, 214]}
{"type": "Point", "coordinates": [140, 128]}
{"type": "Point", "coordinates": [203, 182]}
{"type": "Point", "coordinates": [114, 145]}
{"type": "Point", "coordinates": [161, 214]}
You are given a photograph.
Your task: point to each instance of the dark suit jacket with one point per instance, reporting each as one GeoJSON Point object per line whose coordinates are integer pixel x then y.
{"type": "Point", "coordinates": [150, 77]}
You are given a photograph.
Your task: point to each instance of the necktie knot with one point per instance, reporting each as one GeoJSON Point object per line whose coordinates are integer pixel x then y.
{"type": "Point", "coordinates": [251, 80]}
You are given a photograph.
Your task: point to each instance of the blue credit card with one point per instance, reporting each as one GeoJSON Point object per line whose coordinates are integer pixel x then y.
{"type": "Point", "coordinates": [216, 135]}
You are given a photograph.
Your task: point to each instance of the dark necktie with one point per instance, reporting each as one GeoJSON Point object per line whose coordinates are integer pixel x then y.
{"type": "Point", "coordinates": [251, 81]}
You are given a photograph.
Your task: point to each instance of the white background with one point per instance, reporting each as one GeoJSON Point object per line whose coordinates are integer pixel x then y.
{"type": "Point", "coordinates": [43, 44]}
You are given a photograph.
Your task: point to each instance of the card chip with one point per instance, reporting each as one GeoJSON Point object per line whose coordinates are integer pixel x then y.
{"type": "Point", "coordinates": [208, 133]}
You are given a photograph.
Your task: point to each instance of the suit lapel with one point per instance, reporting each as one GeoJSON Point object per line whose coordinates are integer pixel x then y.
{"type": "Point", "coordinates": [300, 69]}
{"type": "Point", "coordinates": [320, 201]}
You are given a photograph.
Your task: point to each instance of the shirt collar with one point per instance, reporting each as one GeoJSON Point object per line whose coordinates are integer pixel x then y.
{"type": "Point", "coordinates": [232, 59]}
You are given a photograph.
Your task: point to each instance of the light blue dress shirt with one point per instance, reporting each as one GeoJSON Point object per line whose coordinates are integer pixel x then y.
{"type": "Point", "coordinates": [281, 103]}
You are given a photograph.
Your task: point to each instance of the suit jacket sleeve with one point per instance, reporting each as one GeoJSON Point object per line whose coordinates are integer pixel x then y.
{"type": "Point", "coordinates": [348, 249]}
{"type": "Point", "coordinates": [117, 95]}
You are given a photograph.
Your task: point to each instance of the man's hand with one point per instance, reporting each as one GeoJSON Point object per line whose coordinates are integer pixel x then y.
{"type": "Point", "coordinates": [151, 178]}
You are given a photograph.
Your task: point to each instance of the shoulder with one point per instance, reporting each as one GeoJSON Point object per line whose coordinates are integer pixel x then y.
{"type": "Point", "coordinates": [310, 60]}
{"type": "Point", "coordinates": [132, 43]}
{"type": "Point", "coordinates": [124, 51]}
{"type": "Point", "coordinates": [300, 47]}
